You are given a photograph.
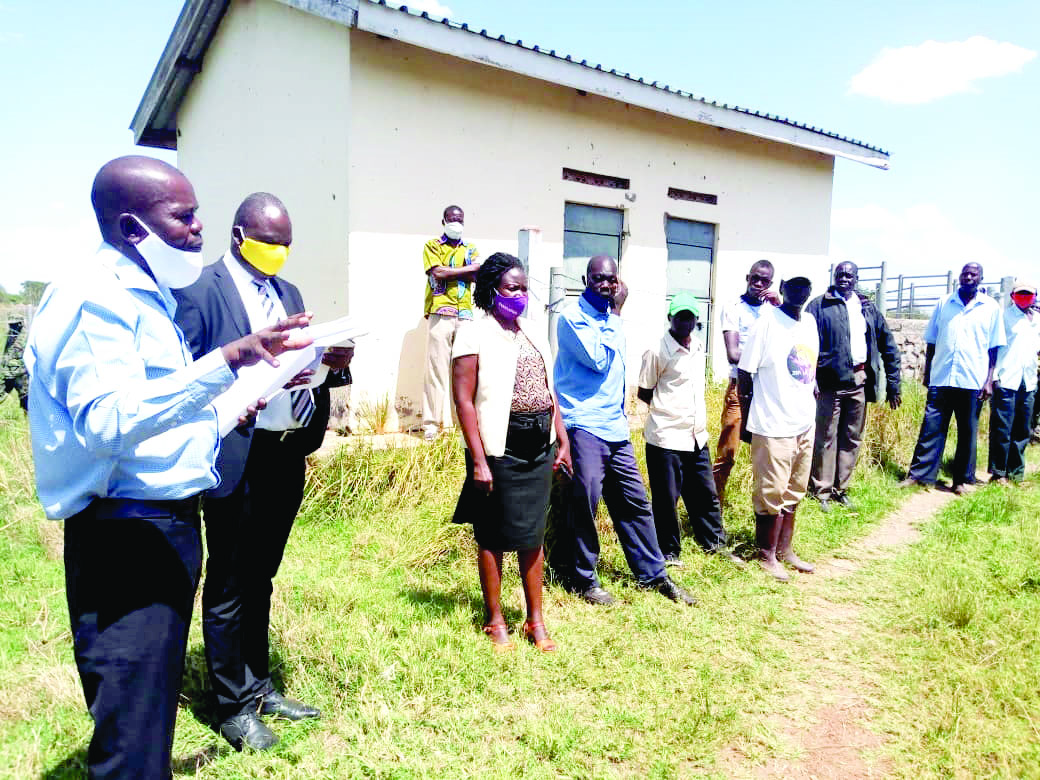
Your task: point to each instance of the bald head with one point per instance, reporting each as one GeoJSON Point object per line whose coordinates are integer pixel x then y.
{"type": "Point", "coordinates": [261, 217]}
{"type": "Point", "coordinates": [258, 209]}
{"type": "Point", "coordinates": [131, 185]}
{"type": "Point", "coordinates": [134, 196]}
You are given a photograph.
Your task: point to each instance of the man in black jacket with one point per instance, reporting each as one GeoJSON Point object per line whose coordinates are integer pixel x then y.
{"type": "Point", "coordinates": [250, 513]}
{"type": "Point", "coordinates": [857, 356]}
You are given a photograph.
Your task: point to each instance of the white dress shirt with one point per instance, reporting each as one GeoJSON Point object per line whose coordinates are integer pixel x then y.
{"type": "Point", "coordinates": [278, 416]}
{"type": "Point", "coordinates": [1016, 363]}
{"type": "Point", "coordinates": [857, 329]}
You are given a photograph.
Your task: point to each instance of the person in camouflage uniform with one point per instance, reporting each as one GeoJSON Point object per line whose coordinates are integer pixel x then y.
{"type": "Point", "coordinates": [12, 367]}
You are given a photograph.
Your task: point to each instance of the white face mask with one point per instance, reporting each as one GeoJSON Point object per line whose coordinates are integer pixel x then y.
{"type": "Point", "coordinates": [172, 267]}
{"type": "Point", "coordinates": [453, 230]}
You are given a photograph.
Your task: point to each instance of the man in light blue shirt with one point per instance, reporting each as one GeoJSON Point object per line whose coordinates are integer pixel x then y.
{"type": "Point", "coordinates": [1014, 387]}
{"type": "Point", "coordinates": [590, 383]}
{"type": "Point", "coordinates": [963, 336]}
{"type": "Point", "coordinates": [124, 439]}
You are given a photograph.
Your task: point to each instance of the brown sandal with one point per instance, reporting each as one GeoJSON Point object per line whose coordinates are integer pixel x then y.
{"type": "Point", "coordinates": [499, 635]}
{"type": "Point", "coordinates": [545, 644]}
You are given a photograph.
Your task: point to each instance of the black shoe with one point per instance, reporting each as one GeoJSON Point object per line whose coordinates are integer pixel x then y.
{"type": "Point", "coordinates": [275, 704]}
{"type": "Point", "coordinates": [596, 595]}
{"type": "Point", "coordinates": [844, 500]}
{"type": "Point", "coordinates": [247, 730]}
{"type": "Point", "coordinates": [669, 589]}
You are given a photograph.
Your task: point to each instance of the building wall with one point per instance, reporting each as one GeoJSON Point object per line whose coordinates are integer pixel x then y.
{"type": "Point", "coordinates": [429, 130]}
{"type": "Point", "coordinates": [271, 112]}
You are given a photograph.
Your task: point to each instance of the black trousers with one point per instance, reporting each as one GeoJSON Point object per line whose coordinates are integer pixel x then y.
{"type": "Point", "coordinates": [943, 403]}
{"type": "Point", "coordinates": [130, 583]}
{"type": "Point", "coordinates": [246, 533]}
{"type": "Point", "coordinates": [1009, 430]}
{"type": "Point", "coordinates": [609, 469]}
{"type": "Point", "coordinates": [674, 474]}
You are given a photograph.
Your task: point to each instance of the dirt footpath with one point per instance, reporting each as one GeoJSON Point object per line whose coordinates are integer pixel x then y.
{"type": "Point", "coordinates": [829, 738]}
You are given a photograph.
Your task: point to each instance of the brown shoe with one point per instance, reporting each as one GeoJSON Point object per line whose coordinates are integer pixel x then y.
{"type": "Point", "coordinates": [911, 482]}
{"type": "Point", "coordinates": [498, 633]}
{"type": "Point", "coordinates": [531, 630]}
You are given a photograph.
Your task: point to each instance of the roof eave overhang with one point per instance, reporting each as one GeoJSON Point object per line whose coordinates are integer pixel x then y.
{"type": "Point", "coordinates": [496, 53]}
{"type": "Point", "coordinates": [155, 122]}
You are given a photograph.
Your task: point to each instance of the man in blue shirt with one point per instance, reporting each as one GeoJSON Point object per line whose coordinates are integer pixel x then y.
{"type": "Point", "coordinates": [124, 439]}
{"type": "Point", "coordinates": [963, 336]}
{"type": "Point", "coordinates": [590, 383]}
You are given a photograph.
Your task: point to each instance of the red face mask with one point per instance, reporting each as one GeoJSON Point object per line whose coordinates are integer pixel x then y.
{"type": "Point", "coordinates": [1023, 299]}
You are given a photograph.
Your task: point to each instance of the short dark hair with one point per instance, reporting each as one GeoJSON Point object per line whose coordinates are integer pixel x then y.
{"type": "Point", "coordinates": [761, 264]}
{"type": "Point", "coordinates": [489, 275]}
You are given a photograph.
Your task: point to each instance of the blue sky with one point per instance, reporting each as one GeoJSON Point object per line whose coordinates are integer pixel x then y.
{"type": "Point", "coordinates": [950, 89]}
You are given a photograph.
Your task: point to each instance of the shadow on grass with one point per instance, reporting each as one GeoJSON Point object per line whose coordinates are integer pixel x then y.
{"type": "Point", "coordinates": [73, 767]}
{"type": "Point", "coordinates": [193, 762]}
{"type": "Point", "coordinates": [445, 603]}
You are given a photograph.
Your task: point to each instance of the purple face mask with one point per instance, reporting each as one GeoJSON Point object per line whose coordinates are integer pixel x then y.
{"type": "Point", "coordinates": [509, 308]}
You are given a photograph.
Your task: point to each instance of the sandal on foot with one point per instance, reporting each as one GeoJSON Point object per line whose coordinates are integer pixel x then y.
{"type": "Point", "coordinates": [499, 635]}
{"type": "Point", "coordinates": [545, 644]}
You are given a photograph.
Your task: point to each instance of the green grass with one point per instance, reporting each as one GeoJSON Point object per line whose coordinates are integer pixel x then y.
{"type": "Point", "coordinates": [957, 619]}
{"type": "Point", "coordinates": [376, 620]}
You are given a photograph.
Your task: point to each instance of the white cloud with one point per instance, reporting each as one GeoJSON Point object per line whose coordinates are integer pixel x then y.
{"type": "Point", "coordinates": [919, 239]}
{"type": "Point", "coordinates": [919, 74]}
{"type": "Point", "coordinates": [432, 7]}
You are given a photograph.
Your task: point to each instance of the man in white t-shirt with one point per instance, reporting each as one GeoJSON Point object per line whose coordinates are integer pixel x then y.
{"type": "Point", "coordinates": [737, 318]}
{"type": "Point", "coordinates": [776, 382]}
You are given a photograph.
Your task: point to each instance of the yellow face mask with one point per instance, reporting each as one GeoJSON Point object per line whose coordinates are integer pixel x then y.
{"type": "Point", "coordinates": [265, 258]}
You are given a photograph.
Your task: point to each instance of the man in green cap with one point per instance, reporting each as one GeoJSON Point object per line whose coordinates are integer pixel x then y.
{"type": "Point", "coordinates": [671, 383]}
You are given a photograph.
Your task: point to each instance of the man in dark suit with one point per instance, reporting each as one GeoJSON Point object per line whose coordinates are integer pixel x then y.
{"type": "Point", "coordinates": [250, 513]}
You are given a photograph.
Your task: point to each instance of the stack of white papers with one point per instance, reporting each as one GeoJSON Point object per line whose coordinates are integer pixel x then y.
{"type": "Point", "coordinates": [265, 381]}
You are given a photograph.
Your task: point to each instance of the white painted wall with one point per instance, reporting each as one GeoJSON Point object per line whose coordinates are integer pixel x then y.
{"type": "Point", "coordinates": [367, 140]}
{"type": "Point", "coordinates": [430, 130]}
{"type": "Point", "coordinates": [270, 112]}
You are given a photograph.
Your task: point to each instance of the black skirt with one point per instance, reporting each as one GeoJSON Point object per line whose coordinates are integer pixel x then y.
{"type": "Point", "coordinates": [512, 516]}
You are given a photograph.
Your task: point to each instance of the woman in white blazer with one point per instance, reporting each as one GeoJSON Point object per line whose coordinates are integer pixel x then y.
{"type": "Point", "coordinates": [515, 439]}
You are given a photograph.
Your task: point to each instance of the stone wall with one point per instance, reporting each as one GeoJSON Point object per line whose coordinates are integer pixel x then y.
{"type": "Point", "coordinates": [909, 335]}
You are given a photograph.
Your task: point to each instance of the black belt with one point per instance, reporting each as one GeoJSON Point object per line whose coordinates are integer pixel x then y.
{"type": "Point", "coordinates": [125, 508]}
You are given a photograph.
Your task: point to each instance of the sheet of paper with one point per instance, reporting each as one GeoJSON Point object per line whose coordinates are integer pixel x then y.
{"type": "Point", "coordinates": [263, 380]}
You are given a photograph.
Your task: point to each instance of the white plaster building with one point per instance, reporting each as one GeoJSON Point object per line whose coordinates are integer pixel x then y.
{"type": "Point", "coordinates": [367, 121]}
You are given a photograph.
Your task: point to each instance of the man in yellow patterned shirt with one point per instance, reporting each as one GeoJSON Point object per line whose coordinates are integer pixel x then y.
{"type": "Point", "coordinates": [450, 265]}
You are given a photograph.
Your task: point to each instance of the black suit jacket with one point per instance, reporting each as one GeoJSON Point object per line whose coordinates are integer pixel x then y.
{"type": "Point", "coordinates": [211, 314]}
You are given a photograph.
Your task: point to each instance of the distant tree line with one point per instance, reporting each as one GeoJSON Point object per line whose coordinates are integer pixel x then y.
{"type": "Point", "coordinates": [30, 294]}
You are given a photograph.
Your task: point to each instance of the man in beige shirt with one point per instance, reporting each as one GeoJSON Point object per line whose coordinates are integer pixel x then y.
{"type": "Point", "coordinates": [671, 382]}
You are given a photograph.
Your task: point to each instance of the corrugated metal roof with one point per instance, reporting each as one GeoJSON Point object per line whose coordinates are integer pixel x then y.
{"type": "Point", "coordinates": [154, 123]}
{"type": "Point", "coordinates": [628, 76]}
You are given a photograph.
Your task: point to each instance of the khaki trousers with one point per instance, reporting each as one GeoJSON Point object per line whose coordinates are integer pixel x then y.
{"type": "Point", "coordinates": [781, 471]}
{"type": "Point", "coordinates": [440, 336]}
{"type": "Point", "coordinates": [729, 439]}
{"type": "Point", "coordinates": [840, 416]}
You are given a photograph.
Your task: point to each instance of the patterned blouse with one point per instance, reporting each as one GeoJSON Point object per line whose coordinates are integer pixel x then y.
{"type": "Point", "coordinates": [531, 388]}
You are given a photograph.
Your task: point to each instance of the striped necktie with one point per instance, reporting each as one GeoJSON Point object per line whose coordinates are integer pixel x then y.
{"type": "Point", "coordinates": [302, 400]}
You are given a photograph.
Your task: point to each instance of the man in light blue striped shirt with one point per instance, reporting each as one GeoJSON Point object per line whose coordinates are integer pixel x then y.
{"type": "Point", "coordinates": [963, 336]}
{"type": "Point", "coordinates": [589, 375]}
{"type": "Point", "coordinates": [124, 439]}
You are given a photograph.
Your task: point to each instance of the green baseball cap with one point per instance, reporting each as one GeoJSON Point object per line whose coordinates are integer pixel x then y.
{"type": "Point", "coordinates": [683, 301]}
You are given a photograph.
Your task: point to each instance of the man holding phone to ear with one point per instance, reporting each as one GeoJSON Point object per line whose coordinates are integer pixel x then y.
{"type": "Point", "coordinates": [590, 383]}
